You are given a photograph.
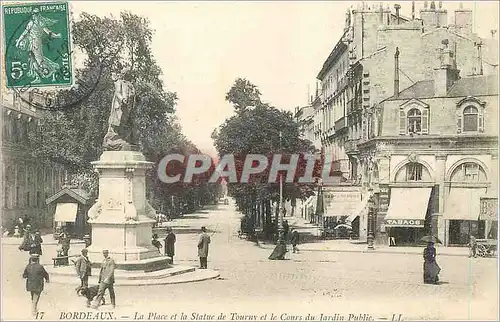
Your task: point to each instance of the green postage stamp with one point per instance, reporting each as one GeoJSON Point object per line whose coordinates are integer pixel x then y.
{"type": "Point", "coordinates": [37, 44]}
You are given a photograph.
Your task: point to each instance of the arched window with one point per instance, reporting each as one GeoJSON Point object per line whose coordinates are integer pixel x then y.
{"type": "Point", "coordinates": [414, 171]}
{"type": "Point", "coordinates": [414, 121]}
{"type": "Point", "coordinates": [470, 115]}
{"type": "Point", "coordinates": [471, 119]}
{"type": "Point", "coordinates": [414, 118]}
{"type": "Point", "coordinates": [469, 172]}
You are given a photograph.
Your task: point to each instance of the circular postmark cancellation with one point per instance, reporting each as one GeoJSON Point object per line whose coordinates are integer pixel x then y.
{"type": "Point", "coordinates": [38, 56]}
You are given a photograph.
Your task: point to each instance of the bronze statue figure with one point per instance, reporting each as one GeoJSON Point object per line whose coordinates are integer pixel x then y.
{"type": "Point", "coordinates": [120, 126]}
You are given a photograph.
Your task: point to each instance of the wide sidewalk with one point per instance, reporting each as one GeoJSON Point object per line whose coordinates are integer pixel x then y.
{"type": "Point", "coordinates": [355, 246]}
{"type": "Point", "coordinates": [193, 222]}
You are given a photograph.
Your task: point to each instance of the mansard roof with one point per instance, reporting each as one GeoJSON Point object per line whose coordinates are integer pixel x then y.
{"type": "Point", "coordinates": [467, 86]}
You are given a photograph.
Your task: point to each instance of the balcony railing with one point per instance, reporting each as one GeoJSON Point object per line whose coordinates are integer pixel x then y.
{"type": "Point", "coordinates": [351, 146]}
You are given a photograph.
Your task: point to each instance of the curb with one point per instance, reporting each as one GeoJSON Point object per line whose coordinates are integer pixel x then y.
{"type": "Point", "coordinates": [375, 251]}
{"type": "Point", "coordinates": [379, 251]}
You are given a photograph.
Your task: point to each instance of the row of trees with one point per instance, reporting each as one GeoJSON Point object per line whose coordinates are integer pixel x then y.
{"type": "Point", "coordinates": [73, 136]}
{"type": "Point", "coordinates": [255, 129]}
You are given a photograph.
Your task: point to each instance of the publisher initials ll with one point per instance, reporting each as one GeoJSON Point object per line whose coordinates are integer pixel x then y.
{"type": "Point", "coordinates": [397, 317]}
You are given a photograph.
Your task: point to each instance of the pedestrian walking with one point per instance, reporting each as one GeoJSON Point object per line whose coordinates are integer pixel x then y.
{"type": "Point", "coordinates": [431, 268]}
{"type": "Point", "coordinates": [170, 243]}
{"type": "Point", "coordinates": [203, 243]}
{"type": "Point", "coordinates": [472, 246]}
{"type": "Point", "coordinates": [65, 242]}
{"type": "Point", "coordinates": [83, 269]}
{"type": "Point", "coordinates": [286, 230]}
{"type": "Point", "coordinates": [106, 280]}
{"type": "Point", "coordinates": [32, 242]}
{"type": "Point", "coordinates": [294, 240]}
{"type": "Point", "coordinates": [35, 274]}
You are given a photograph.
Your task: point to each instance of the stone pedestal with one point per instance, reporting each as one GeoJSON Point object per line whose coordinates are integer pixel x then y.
{"type": "Point", "coordinates": [122, 219]}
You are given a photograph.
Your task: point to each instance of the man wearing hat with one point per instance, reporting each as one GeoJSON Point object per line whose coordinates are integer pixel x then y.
{"type": "Point", "coordinates": [203, 243]}
{"type": "Point", "coordinates": [83, 268]}
{"type": "Point", "coordinates": [106, 280]}
{"type": "Point", "coordinates": [170, 244]}
{"type": "Point", "coordinates": [35, 274]}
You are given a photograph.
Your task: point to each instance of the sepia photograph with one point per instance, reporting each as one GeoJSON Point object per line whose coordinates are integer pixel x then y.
{"type": "Point", "coordinates": [249, 160]}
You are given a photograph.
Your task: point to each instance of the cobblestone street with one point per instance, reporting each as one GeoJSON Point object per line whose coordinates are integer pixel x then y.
{"type": "Point", "coordinates": [309, 282]}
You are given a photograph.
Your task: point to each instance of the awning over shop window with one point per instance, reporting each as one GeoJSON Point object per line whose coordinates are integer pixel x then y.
{"type": "Point", "coordinates": [407, 207]}
{"type": "Point", "coordinates": [463, 204]}
{"type": "Point", "coordinates": [345, 203]}
{"type": "Point", "coordinates": [66, 212]}
{"type": "Point", "coordinates": [362, 208]}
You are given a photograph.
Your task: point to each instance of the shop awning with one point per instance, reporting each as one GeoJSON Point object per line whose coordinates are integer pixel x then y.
{"type": "Point", "coordinates": [66, 212]}
{"type": "Point", "coordinates": [407, 207]}
{"type": "Point", "coordinates": [463, 204]}
{"type": "Point", "coordinates": [346, 207]}
{"type": "Point", "coordinates": [362, 207]}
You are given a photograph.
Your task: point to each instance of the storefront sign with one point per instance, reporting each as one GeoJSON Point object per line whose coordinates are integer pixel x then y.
{"type": "Point", "coordinates": [404, 222]}
{"type": "Point", "coordinates": [341, 203]}
{"type": "Point", "coordinates": [489, 209]}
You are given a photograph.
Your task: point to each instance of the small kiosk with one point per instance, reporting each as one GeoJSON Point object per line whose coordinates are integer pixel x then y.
{"type": "Point", "coordinates": [71, 207]}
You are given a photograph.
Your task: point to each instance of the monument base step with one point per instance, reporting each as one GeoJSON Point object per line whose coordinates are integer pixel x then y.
{"type": "Point", "coordinates": [174, 275]}
{"type": "Point", "coordinates": [144, 265]}
{"type": "Point", "coordinates": [120, 274]}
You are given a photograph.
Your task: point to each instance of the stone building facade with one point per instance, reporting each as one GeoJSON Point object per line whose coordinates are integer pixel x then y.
{"type": "Point", "coordinates": [26, 181]}
{"type": "Point", "coordinates": [432, 157]}
{"type": "Point", "coordinates": [361, 72]}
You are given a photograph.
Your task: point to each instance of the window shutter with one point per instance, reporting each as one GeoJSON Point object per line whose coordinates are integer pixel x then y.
{"type": "Point", "coordinates": [459, 123]}
{"type": "Point", "coordinates": [425, 121]}
{"type": "Point", "coordinates": [402, 123]}
{"type": "Point", "coordinates": [480, 120]}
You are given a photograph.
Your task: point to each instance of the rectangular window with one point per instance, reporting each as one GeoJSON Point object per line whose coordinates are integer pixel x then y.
{"type": "Point", "coordinates": [413, 172]}
{"type": "Point", "coordinates": [470, 122]}
{"type": "Point", "coordinates": [471, 172]}
{"type": "Point", "coordinates": [28, 199]}
{"type": "Point", "coordinates": [38, 199]}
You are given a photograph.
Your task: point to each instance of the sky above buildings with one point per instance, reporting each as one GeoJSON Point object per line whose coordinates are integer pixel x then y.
{"type": "Point", "coordinates": [202, 47]}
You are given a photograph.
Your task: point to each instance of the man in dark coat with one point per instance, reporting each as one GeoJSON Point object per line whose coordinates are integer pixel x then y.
{"type": "Point", "coordinates": [294, 240]}
{"type": "Point", "coordinates": [32, 242]}
{"type": "Point", "coordinates": [106, 280]}
{"type": "Point", "coordinates": [65, 242]}
{"type": "Point", "coordinates": [203, 243]}
{"type": "Point", "coordinates": [83, 268]}
{"type": "Point", "coordinates": [170, 244]}
{"type": "Point", "coordinates": [35, 274]}
{"type": "Point", "coordinates": [286, 229]}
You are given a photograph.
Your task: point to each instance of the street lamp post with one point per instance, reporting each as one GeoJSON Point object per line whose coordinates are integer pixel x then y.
{"type": "Point", "coordinates": [281, 209]}
{"type": "Point", "coordinates": [370, 223]}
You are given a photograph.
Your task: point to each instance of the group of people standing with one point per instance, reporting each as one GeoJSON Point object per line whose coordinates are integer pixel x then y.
{"type": "Point", "coordinates": [169, 243]}
{"type": "Point", "coordinates": [32, 241]}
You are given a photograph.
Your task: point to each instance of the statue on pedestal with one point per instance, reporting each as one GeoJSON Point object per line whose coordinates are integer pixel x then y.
{"type": "Point", "coordinates": [120, 127]}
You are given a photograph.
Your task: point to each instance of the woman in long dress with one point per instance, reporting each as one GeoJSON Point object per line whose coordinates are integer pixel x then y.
{"type": "Point", "coordinates": [431, 268]}
{"type": "Point", "coordinates": [31, 40]}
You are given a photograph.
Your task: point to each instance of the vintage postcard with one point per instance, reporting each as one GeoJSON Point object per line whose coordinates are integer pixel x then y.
{"type": "Point", "coordinates": [249, 160]}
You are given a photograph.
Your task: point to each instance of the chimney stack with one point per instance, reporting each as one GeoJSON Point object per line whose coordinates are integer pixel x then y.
{"type": "Point", "coordinates": [446, 74]}
{"type": "Point", "coordinates": [413, 10]}
{"type": "Point", "coordinates": [396, 73]}
{"type": "Point", "coordinates": [397, 7]}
